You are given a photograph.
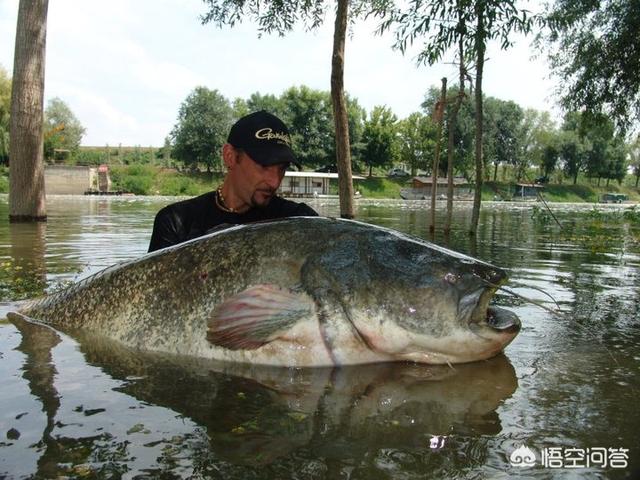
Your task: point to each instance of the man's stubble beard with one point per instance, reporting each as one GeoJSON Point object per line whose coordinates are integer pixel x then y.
{"type": "Point", "coordinates": [254, 202]}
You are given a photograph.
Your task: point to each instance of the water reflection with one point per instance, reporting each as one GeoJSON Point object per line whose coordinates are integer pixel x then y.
{"type": "Point", "coordinates": [39, 372]}
{"type": "Point", "coordinates": [23, 271]}
{"type": "Point", "coordinates": [254, 416]}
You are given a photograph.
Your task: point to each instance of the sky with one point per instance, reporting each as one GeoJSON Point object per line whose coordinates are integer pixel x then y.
{"type": "Point", "coordinates": [125, 66]}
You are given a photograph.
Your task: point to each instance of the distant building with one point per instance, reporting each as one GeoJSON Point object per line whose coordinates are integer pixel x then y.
{"type": "Point", "coordinates": [526, 192]}
{"type": "Point", "coordinates": [308, 184]}
{"type": "Point", "coordinates": [76, 180]}
{"type": "Point", "coordinates": [421, 188]}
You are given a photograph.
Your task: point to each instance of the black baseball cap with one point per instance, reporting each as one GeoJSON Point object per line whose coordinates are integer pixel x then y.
{"type": "Point", "coordinates": [264, 137]}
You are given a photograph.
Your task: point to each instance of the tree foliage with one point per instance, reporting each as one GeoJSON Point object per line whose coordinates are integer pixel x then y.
{"type": "Point", "coordinates": [204, 120]}
{"type": "Point", "coordinates": [417, 138]}
{"type": "Point", "coordinates": [306, 111]}
{"type": "Point", "coordinates": [502, 123]}
{"type": "Point", "coordinates": [593, 48]}
{"type": "Point", "coordinates": [379, 138]}
{"type": "Point", "coordinates": [5, 110]}
{"type": "Point", "coordinates": [62, 129]}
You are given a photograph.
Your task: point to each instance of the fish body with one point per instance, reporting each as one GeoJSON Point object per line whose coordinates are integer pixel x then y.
{"type": "Point", "coordinates": [304, 291]}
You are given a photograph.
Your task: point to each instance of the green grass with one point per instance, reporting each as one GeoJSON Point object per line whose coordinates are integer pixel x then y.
{"type": "Point", "coordinates": [152, 180]}
{"type": "Point", "coordinates": [380, 187]}
{"type": "Point", "coordinates": [570, 193]}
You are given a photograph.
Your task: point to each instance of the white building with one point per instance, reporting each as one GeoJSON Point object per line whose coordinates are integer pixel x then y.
{"type": "Point", "coordinates": [308, 184]}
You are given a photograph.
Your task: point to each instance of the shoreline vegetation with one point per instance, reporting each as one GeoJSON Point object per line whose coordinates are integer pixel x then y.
{"type": "Point", "coordinates": [154, 180]}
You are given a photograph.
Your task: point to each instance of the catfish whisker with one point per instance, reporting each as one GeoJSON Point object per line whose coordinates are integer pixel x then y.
{"type": "Point", "coordinates": [557, 311]}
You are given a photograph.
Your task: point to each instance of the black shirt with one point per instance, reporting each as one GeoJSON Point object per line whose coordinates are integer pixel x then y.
{"type": "Point", "coordinates": [182, 221]}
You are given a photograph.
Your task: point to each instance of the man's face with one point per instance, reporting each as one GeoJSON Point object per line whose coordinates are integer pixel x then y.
{"type": "Point", "coordinates": [255, 183]}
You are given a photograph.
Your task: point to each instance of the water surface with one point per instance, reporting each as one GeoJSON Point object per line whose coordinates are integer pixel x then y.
{"type": "Point", "coordinates": [93, 409]}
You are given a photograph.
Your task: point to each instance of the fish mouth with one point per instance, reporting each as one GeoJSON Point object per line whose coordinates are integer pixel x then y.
{"type": "Point", "coordinates": [476, 311]}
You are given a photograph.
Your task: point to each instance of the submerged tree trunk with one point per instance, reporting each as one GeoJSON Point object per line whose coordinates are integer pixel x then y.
{"type": "Point", "coordinates": [451, 125]}
{"type": "Point", "coordinates": [439, 117]}
{"type": "Point", "coordinates": [343, 154]}
{"type": "Point", "coordinates": [480, 49]}
{"type": "Point", "coordinates": [26, 172]}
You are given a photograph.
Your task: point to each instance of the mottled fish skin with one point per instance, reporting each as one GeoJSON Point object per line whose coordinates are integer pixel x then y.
{"type": "Point", "coordinates": [362, 294]}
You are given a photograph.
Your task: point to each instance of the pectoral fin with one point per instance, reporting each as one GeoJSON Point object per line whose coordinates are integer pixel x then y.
{"type": "Point", "coordinates": [256, 316]}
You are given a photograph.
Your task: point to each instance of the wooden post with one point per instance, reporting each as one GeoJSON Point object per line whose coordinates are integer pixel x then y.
{"type": "Point", "coordinates": [438, 115]}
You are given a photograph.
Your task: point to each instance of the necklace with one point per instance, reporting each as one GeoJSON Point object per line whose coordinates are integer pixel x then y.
{"type": "Point", "coordinates": [220, 202]}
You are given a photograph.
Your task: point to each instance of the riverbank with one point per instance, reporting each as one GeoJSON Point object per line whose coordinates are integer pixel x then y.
{"type": "Point", "coordinates": [154, 180]}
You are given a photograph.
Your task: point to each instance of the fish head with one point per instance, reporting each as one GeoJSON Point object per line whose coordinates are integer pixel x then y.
{"type": "Point", "coordinates": [412, 300]}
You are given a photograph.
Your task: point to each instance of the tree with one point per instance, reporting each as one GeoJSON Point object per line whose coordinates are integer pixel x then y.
{"type": "Point", "coordinates": [417, 136]}
{"type": "Point", "coordinates": [606, 157]}
{"type": "Point", "coordinates": [503, 125]}
{"type": "Point", "coordinates": [537, 129]}
{"type": "Point", "coordinates": [379, 138]}
{"type": "Point", "coordinates": [62, 130]}
{"type": "Point", "coordinates": [550, 154]}
{"type": "Point", "coordinates": [593, 49]}
{"type": "Point", "coordinates": [268, 102]}
{"type": "Point", "coordinates": [26, 175]}
{"type": "Point", "coordinates": [617, 160]}
{"type": "Point", "coordinates": [447, 22]}
{"type": "Point", "coordinates": [572, 153]}
{"type": "Point", "coordinates": [204, 120]}
{"type": "Point", "coordinates": [357, 116]}
{"type": "Point", "coordinates": [280, 17]}
{"type": "Point", "coordinates": [5, 109]}
{"type": "Point", "coordinates": [309, 117]}
{"type": "Point", "coordinates": [166, 151]}
{"type": "Point", "coordinates": [573, 146]}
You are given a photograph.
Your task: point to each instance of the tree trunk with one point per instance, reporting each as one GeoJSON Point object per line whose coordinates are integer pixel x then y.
{"type": "Point", "coordinates": [480, 49]}
{"type": "Point", "coordinates": [27, 200]}
{"type": "Point", "coordinates": [439, 117]}
{"type": "Point", "coordinates": [495, 171]}
{"type": "Point", "coordinates": [451, 125]}
{"type": "Point", "coordinates": [345, 180]}
{"type": "Point", "coordinates": [637, 178]}
{"type": "Point", "coordinates": [575, 179]}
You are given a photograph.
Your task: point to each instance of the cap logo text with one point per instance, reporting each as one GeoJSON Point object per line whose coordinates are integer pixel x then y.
{"type": "Point", "coordinates": [269, 134]}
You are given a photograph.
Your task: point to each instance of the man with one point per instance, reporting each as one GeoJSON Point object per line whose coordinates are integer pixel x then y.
{"type": "Point", "coordinates": [257, 154]}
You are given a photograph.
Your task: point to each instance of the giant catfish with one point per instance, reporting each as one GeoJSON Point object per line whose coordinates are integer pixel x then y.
{"type": "Point", "coordinates": [304, 291]}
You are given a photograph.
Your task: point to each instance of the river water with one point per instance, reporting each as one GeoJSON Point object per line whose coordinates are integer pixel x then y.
{"type": "Point", "coordinates": [566, 389]}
